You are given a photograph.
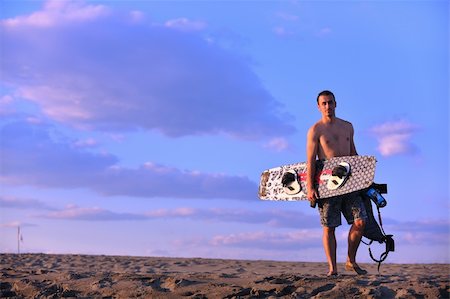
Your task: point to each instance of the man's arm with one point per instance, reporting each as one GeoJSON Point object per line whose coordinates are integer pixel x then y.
{"type": "Point", "coordinates": [312, 143]}
{"type": "Point", "coordinates": [352, 142]}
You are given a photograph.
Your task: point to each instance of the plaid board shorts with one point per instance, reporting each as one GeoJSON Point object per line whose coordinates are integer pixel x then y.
{"type": "Point", "coordinates": [350, 205]}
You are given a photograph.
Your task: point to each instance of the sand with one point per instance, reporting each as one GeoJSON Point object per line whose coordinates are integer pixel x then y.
{"type": "Point", "coordinates": [89, 276]}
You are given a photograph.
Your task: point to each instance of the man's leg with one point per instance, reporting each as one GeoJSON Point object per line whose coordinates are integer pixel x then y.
{"type": "Point", "coordinates": [355, 213]}
{"type": "Point", "coordinates": [330, 218]}
{"type": "Point", "coordinates": [329, 244]}
{"type": "Point", "coordinates": [354, 238]}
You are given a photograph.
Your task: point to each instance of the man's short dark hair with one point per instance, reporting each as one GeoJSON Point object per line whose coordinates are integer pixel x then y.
{"type": "Point", "coordinates": [325, 93]}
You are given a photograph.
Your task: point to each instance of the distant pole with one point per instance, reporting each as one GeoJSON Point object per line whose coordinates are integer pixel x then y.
{"type": "Point", "coordinates": [18, 239]}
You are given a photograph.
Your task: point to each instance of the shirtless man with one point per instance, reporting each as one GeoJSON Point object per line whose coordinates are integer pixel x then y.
{"type": "Point", "coordinates": [333, 137]}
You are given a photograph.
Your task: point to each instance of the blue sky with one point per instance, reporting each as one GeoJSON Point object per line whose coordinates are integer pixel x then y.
{"type": "Point", "coordinates": [141, 127]}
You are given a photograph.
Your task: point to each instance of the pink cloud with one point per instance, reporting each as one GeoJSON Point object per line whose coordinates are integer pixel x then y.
{"type": "Point", "coordinates": [325, 31]}
{"type": "Point", "coordinates": [137, 16]}
{"type": "Point", "coordinates": [282, 31]}
{"type": "Point", "coordinates": [86, 143]}
{"type": "Point", "coordinates": [278, 144]}
{"type": "Point", "coordinates": [175, 213]}
{"type": "Point", "coordinates": [56, 12]}
{"type": "Point", "coordinates": [15, 224]}
{"type": "Point", "coordinates": [287, 16]}
{"type": "Point", "coordinates": [73, 212]}
{"type": "Point", "coordinates": [184, 24]}
{"type": "Point", "coordinates": [394, 137]}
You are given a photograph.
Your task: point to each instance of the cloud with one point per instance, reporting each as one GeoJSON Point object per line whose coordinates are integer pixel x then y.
{"type": "Point", "coordinates": [73, 212]}
{"type": "Point", "coordinates": [270, 240]}
{"type": "Point", "coordinates": [56, 12]}
{"type": "Point", "coordinates": [6, 105]}
{"type": "Point", "coordinates": [423, 232]}
{"type": "Point", "coordinates": [15, 224]}
{"type": "Point", "coordinates": [273, 237]}
{"type": "Point", "coordinates": [137, 16]}
{"type": "Point", "coordinates": [163, 181]}
{"type": "Point", "coordinates": [394, 137]}
{"type": "Point", "coordinates": [277, 144]}
{"type": "Point", "coordinates": [286, 16]}
{"type": "Point", "coordinates": [23, 203]}
{"type": "Point", "coordinates": [185, 24]}
{"type": "Point", "coordinates": [86, 143]}
{"type": "Point", "coordinates": [93, 70]}
{"type": "Point", "coordinates": [282, 31]}
{"type": "Point", "coordinates": [32, 154]}
{"type": "Point", "coordinates": [325, 31]}
{"type": "Point", "coordinates": [420, 231]}
{"type": "Point", "coordinates": [273, 218]}
{"type": "Point", "coordinates": [438, 226]}
{"type": "Point", "coordinates": [37, 154]}
{"type": "Point", "coordinates": [288, 24]}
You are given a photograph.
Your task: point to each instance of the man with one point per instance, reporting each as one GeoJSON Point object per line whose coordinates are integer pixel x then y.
{"type": "Point", "coordinates": [333, 137]}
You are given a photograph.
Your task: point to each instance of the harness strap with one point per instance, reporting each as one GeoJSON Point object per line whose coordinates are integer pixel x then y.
{"type": "Point", "coordinates": [386, 239]}
{"type": "Point", "coordinates": [381, 222]}
{"type": "Point", "coordinates": [368, 244]}
{"type": "Point", "coordinates": [382, 258]}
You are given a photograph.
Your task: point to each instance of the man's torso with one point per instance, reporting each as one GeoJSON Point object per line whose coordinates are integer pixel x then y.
{"type": "Point", "coordinates": [334, 139]}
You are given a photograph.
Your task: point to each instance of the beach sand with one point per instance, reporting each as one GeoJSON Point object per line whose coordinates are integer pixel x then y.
{"type": "Point", "coordinates": [89, 276]}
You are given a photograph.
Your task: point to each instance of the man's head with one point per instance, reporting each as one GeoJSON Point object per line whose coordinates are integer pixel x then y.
{"type": "Point", "coordinates": [326, 103]}
{"type": "Point", "coordinates": [325, 93]}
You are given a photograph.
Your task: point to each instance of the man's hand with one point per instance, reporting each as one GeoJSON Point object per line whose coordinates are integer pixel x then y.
{"type": "Point", "coordinates": [312, 196]}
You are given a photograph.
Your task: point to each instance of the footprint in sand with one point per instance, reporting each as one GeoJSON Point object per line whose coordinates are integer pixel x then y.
{"type": "Point", "coordinates": [323, 288]}
{"type": "Point", "coordinates": [173, 283]}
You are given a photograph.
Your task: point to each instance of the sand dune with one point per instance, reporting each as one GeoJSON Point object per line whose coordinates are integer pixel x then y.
{"type": "Point", "coordinates": [88, 276]}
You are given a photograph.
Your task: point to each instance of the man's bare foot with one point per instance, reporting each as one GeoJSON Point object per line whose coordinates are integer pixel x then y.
{"type": "Point", "coordinates": [332, 274]}
{"type": "Point", "coordinates": [354, 267]}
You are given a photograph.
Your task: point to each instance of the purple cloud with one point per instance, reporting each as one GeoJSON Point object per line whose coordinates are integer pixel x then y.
{"type": "Point", "coordinates": [437, 226]}
{"type": "Point", "coordinates": [32, 155]}
{"type": "Point", "coordinates": [36, 154]}
{"type": "Point", "coordinates": [15, 224]}
{"type": "Point", "coordinates": [12, 202]}
{"type": "Point", "coordinates": [90, 68]}
{"type": "Point", "coordinates": [419, 232]}
{"type": "Point", "coordinates": [152, 180]}
{"type": "Point", "coordinates": [273, 240]}
{"type": "Point", "coordinates": [430, 232]}
{"type": "Point", "coordinates": [273, 218]}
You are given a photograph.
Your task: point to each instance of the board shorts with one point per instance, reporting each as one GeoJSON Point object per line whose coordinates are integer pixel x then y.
{"type": "Point", "coordinates": [350, 205]}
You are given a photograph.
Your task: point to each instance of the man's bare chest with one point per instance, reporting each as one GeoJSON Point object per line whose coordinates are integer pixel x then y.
{"type": "Point", "coordinates": [334, 137]}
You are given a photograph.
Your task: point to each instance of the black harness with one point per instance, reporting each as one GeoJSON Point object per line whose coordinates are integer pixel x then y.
{"type": "Point", "coordinates": [374, 231]}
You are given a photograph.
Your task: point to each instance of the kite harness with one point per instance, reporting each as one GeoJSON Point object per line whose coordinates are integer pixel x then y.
{"type": "Point", "coordinates": [374, 231]}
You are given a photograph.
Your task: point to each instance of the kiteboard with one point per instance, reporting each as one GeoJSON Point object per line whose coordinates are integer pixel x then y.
{"type": "Point", "coordinates": [334, 177]}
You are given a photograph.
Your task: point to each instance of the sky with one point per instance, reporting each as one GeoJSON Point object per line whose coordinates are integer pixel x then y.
{"type": "Point", "coordinates": [142, 127]}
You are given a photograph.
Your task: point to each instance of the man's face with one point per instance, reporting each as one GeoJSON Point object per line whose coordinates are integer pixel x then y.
{"type": "Point", "coordinates": [326, 105]}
